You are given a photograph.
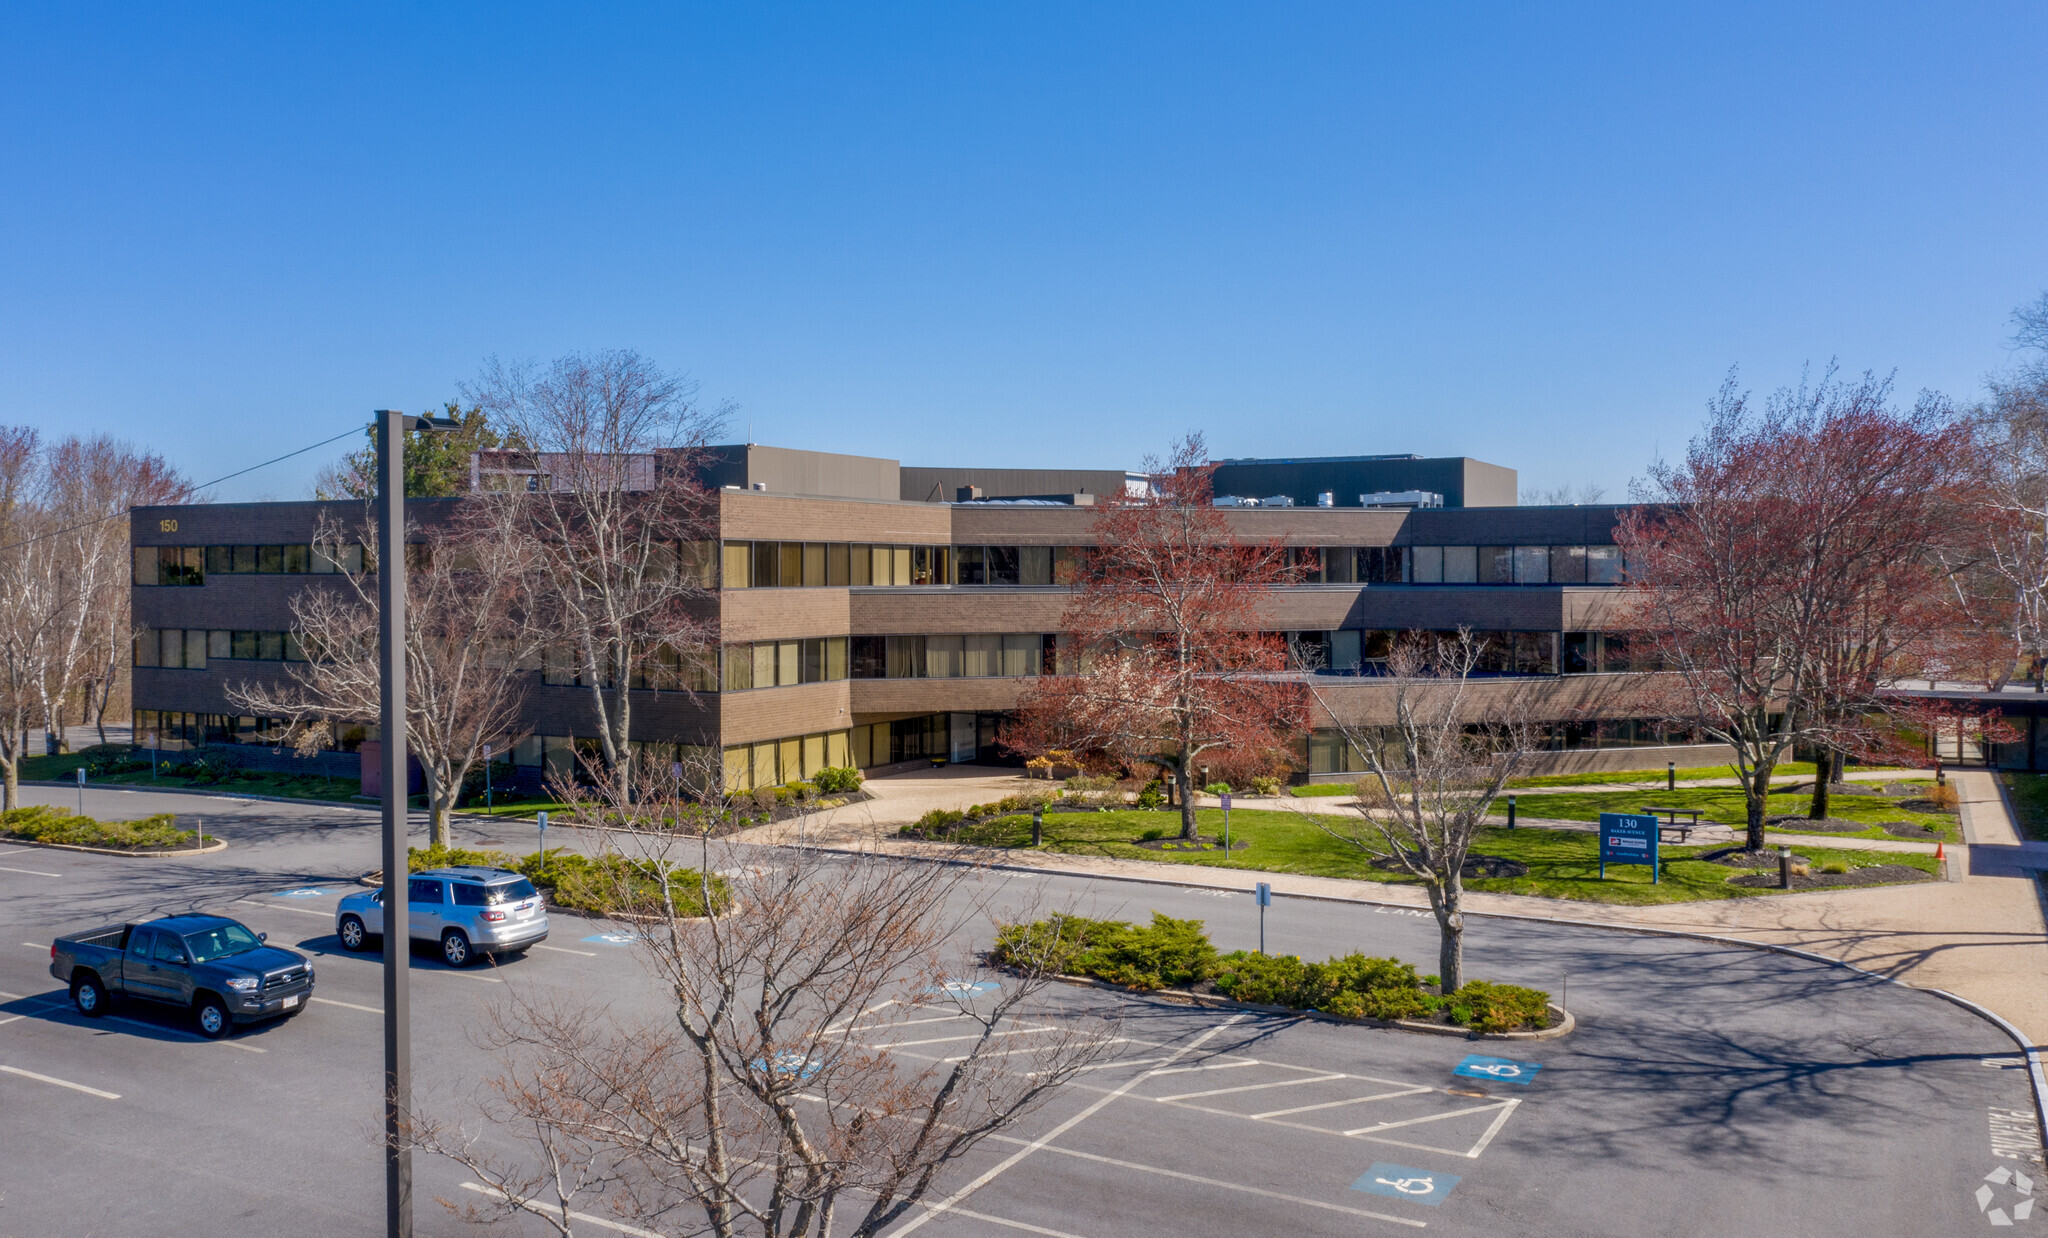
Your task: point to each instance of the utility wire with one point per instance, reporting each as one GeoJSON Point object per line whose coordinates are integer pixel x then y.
{"type": "Point", "coordinates": [195, 489]}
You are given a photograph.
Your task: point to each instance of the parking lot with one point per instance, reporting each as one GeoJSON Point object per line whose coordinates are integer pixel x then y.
{"type": "Point", "coordinates": [1708, 1090]}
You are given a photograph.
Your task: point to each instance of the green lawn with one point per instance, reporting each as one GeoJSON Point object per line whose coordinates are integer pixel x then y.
{"type": "Point", "coordinates": [1562, 864]}
{"type": "Point", "coordinates": [2030, 803]}
{"type": "Point", "coordinates": [1726, 805]}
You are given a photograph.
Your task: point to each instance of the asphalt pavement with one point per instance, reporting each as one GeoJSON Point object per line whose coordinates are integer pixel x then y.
{"type": "Point", "coordinates": [1708, 1089]}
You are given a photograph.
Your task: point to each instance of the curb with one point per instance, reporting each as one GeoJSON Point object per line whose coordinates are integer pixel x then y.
{"type": "Point", "coordinates": [1181, 997]}
{"type": "Point", "coordinates": [214, 843]}
{"type": "Point", "coordinates": [219, 795]}
{"type": "Point", "coordinates": [2031, 1053]}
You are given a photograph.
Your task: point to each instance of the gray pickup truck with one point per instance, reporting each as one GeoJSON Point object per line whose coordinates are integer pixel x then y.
{"type": "Point", "coordinates": [213, 966]}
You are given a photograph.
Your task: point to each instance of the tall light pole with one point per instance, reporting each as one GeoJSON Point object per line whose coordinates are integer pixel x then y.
{"type": "Point", "coordinates": [391, 428]}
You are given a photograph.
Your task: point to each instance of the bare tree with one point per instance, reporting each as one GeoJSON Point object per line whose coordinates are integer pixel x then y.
{"type": "Point", "coordinates": [767, 1097]}
{"type": "Point", "coordinates": [27, 609]}
{"type": "Point", "coordinates": [623, 531]}
{"type": "Point", "coordinates": [1435, 762]}
{"type": "Point", "coordinates": [1563, 496]}
{"type": "Point", "coordinates": [470, 630]}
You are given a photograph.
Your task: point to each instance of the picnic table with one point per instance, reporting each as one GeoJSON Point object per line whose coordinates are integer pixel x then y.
{"type": "Point", "coordinates": [1671, 831]}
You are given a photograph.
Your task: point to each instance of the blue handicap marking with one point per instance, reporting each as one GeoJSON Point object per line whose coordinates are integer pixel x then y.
{"type": "Point", "coordinates": [1420, 1186]}
{"type": "Point", "coordinates": [790, 1062]}
{"type": "Point", "coordinates": [613, 939]}
{"type": "Point", "coordinates": [1498, 1069]}
{"type": "Point", "coordinates": [305, 893]}
{"type": "Point", "coordinates": [965, 988]}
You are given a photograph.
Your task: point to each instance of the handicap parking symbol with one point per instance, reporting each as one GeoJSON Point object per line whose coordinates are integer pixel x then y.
{"type": "Point", "coordinates": [965, 988]}
{"type": "Point", "coordinates": [790, 1062]}
{"type": "Point", "coordinates": [1498, 1069]}
{"type": "Point", "coordinates": [1401, 1182]}
{"type": "Point", "coordinates": [305, 893]}
{"type": "Point", "coordinates": [613, 939]}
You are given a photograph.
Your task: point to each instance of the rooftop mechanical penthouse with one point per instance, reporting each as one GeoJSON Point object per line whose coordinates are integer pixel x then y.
{"type": "Point", "coordinates": [876, 615]}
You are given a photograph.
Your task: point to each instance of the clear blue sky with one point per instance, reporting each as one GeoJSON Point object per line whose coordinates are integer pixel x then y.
{"type": "Point", "coordinates": [1026, 234]}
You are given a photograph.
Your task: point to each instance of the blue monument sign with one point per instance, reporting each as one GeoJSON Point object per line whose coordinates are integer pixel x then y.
{"type": "Point", "coordinates": [1628, 838]}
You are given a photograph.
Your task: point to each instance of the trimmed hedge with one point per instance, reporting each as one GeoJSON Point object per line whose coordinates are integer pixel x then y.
{"type": "Point", "coordinates": [44, 823]}
{"type": "Point", "coordinates": [1176, 953]}
{"type": "Point", "coordinates": [607, 885]}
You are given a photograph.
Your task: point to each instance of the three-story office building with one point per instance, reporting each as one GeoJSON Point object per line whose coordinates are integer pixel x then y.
{"type": "Point", "coordinates": [876, 615]}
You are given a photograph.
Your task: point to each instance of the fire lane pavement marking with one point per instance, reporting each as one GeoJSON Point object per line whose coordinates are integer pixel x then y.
{"type": "Point", "coordinates": [30, 872]}
{"type": "Point", "coordinates": [328, 1001]}
{"type": "Point", "coordinates": [62, 1083]}
{"type": "Point", "coordinates": [588, 954]}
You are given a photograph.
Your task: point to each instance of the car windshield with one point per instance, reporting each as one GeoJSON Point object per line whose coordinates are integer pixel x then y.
{"type": "Point", "coordinates": [510, 891]}
{"type": "Point", "coordinates": [220, 941]}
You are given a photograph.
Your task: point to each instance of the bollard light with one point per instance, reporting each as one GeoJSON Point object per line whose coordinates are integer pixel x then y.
{"type": "Point", "coordinates": [1038, 825]}
{"type": "Point", "coordinates": [1511, 812]}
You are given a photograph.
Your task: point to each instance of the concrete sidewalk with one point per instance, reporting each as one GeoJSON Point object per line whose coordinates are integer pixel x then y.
{"type": "Point", "coordinates": [1980, 935]}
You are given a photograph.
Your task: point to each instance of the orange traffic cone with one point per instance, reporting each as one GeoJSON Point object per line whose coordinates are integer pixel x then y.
{"type": "Point", "coordinates": [1937, 853]}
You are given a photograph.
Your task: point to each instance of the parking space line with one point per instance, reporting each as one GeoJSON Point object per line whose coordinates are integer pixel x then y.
{"type": "Point", "coordinates": [328, 1001]}
{"type": "Point", "coordinates": [1182, 1070]}
{"type": "Point", "coordinates": [47, 1003]}
{"type": "Point", "coordinates": [1338, 1104]}
{"type": "Point", "coordinates": [1004, 1221]}
{"type": "Point", "coordinates": [1433, 1117]}
{"type": "Point", "coordinates": [1228, 1186]}
{"type": "Point", "coordinates": [62, 1083]}
{"type": "Point", "coordinates": [943, 1018]}
{"type": "Point", "coordinates": [588, 954]}
{"type": "Point", "coordinates": [157, 1027]}
{"type": "Point", "coordinates": [1254, 1087]}
{"type": "Point", "coordinates": [304, 911]}
{"type": "Point", "coordinates": [583, 1218]}
{"type": "Point", "coordinates": [31, 872]}
{"type": "Point", "coordinates": [1114, 1040]}
{"type": "Point", "coordinates": [940, 1040]}
{"type": "Point", "coordinates": [1089, 1112]}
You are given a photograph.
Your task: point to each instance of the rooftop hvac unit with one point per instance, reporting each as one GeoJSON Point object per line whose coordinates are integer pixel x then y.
{"type": "Point", "coordinates": [1231, 500]}
{"type": "Point", "coordinates": [1278, 500]}
{"type": "Point", "coordinates": [1401, 498]}
{"type": "Point", "coordinates": [1327, 498]}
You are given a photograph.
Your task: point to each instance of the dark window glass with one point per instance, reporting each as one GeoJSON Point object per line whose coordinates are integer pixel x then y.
{"type": "Point", "coordinates": [862, 564]}
{"type": "Point", "coordinates": [270, 558]}
{"type": "Point", "coordinates": [814, 661]}
{"type": "Point", "coordinates": [1310, 561]}
{"type": "Point", "coordinates": [298, 560]}
{"type": "Point", "coordinates": [292, 652]}
{"type": "Point", "coordinates": [510, 891]}
{"type": "Point", "coordinates": [791, 572]}
{"type": "Point", "coordinates": [906, 657]}
{"type": "Point", "coordinates": [971, 561]}
{"type": "Point", "coordinates": [1581, 652]}
{"type": "Point", "coordinates": [243, 645]}
{"type": "Point", "coordinates": [836, 566]}
{"type": "Point", "coordinates": [424, 890]}
{"type": "Point", "coordinates": [1614, 653]}
{"type": "Point", "coordinates": [1496, 565]}
{"type": "Point", "coordinates": [169, 949]}
{"type": "Point", "coordinates": [219, 558]}
{"type": "Point", "coordinates": [1567, 565]}
{"type": "Point", "coordinates": [245, 559]}
{"type": "Point", "coordinates": [145, 565]}
{"type": "Point", "coordinates": [1034, 565]}
{"type": "Point", "coordinates": [870, 656]}
{"type": "Point", "coordinates": [139, 942]}
{"type": "Point", "coordinates": [767, 565]}
{"type": "Point", "coordinates": [269, 646]}
{"type": "Point", "coordinates": [1002, 565]}
{"type": "Point", "coordinates": [467, 894]}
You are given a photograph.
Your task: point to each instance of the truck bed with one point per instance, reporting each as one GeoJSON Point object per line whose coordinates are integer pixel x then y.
{"type": "Point", "coordinates": [111, 937]}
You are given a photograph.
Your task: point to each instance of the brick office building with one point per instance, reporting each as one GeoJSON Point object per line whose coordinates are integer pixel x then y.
{"type": "Point", "coordinates": [876, 615]}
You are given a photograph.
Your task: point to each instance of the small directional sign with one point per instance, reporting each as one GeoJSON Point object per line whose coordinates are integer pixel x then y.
{"type": "Point", "coordinates": [1421, 1186]}
{"type": "Point", "coordinates": [1498, 1069]}
{"type": "Point", "coordinates": [1263, 894]}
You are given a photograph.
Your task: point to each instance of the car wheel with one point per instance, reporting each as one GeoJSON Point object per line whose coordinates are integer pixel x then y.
{"type": "Point", "coordinates": [455, 948]}
{"type": "Point", "coordinates": [352, 933]}
{"type": "Point", "coordinates": [88, 995]}
{"type": "Point", "coordinates": [210, 1016]}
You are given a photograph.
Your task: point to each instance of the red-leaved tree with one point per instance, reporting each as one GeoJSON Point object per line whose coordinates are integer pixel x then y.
{"type": "Point", "coordinates": [1793, 565]}
{"type": "Point", "coordinates": [1168, 657]}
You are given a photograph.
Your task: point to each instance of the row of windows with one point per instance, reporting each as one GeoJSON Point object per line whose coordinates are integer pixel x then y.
{"type": "Point", "coordinates": [791, 565]}
{"type": "Point", "coordinates": [1356, 652]}
{"type": "Point", "coordinates": [173, 731]}
{"type": "Point", "coordinates": [1328, 753]}
{"type": "Point", "coordinates": [192, 648]}
{"type": "Point", "coordinates": [191, 565]}
{"type": "Point", "coordinates": [776, 761]}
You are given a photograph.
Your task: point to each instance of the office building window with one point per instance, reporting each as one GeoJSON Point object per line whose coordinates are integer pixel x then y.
{"type": "Point", "coordinates": [1496, 565]}
{"type": "Point", "coordinates": [1532, 565]}
{"type": "Point", "coordinates": [1428, 564]}
{"type": "Point", "coordinates": [1461, 565]}
{"type": "Point", "coordinates": [1567, 565]}
{"type": "Point", "coordinates": [1603, 565]}
{"type": "Point", "coordinates": [1034, 565]}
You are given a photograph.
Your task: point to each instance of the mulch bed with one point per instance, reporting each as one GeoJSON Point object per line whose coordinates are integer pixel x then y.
{"type": "Point", "coordinates": [1872, 875]}
{"type": "Point", "coordinates": [1834, 788]}
{"type": "Point", "coordinates": [1926, 806]}
{"type": "Point", "coordinates": [1736, 857]}
{"type": "Point", "coordinates": [1831, 825]}
{"type": "Point", "coordinates": [1475, 866]}
{"type": "Point", "coordinates": [1910, 829]}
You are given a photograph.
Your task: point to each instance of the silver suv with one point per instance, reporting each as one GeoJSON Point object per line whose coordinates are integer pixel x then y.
{"type": "Point", "coordinates": [469, 909]}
